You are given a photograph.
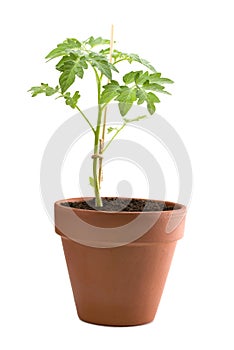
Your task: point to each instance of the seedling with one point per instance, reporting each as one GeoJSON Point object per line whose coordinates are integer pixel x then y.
{"type": "Point", "coordinates": [140, 86]}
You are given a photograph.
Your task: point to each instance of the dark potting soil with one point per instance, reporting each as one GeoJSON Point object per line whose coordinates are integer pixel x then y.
{"type": "Point", "coordinates": [121, 204]}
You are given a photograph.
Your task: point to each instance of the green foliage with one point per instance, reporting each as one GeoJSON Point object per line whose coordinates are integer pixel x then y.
{"type": "Point", "coordinates": [64, 48]}
{"type": "Point", "coordinates": [141, 86]}
{"type": "Point", "coordinates": [72, 100]}
{"type": "Point", "coordinates": [95, 42]}
{"type": "Point", "coordinates": [43, 89]}
{"type": "Point", "coordinates": [126, 98]}
{"type": "Point", "coordinates": [110, 129]}
{"type": "Point", "coordinates": [70, 66]}
{"type": "Point", "coordinates": [151, 100]}
{"type": "Point", "coordinates": [77, 56]}
{"type": "Point", "coordinates": [74, 57]}
{"type": "Point", "coordinates": [119, 56]}
{"type": "Point", "coordinates": [137, 119]}
{"type": "Point", "coordinates": [110, 91]}
{"type": "Point", "coordinates": [91, 181]}
{"type": "Point", "coordinates": [135, 58]}
{"type": "Point", "coordinates": [101, 63]}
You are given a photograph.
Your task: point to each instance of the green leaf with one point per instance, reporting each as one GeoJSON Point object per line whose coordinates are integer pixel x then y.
{"type": "Point", "coordinates": [126, 98]}
{"type": "Point", "coordinates": [95, 42]}
{"type": "Point", "coordinates": [75, 66]}
{"type": "Point", "coordinates": [153, 86]}
{"type": "Point", "coordinates": [151, 100]}
{"type": "Point", "coordinates": [60, 65]}
{"type": "Point", "coordinates": [104, 68]}
{"type": "Point", "coordinates": [111, 90]}
{"type": "Point", "coordinates": [142, 78]}
{"type": "Point", "coordinates": [134, 57]}
{"type": "Point", "coordinates": [146, 63]}
{"type": "Point", "coordinates": [153, 78]}
{"type": "Point", "coordinates": [166, 81]}
{"type": "Point", "coordinates": [105, 52]}
{"type": "Point", "coordinates": [162, 81]}
{"type": "Point", "coordinates": [156, 78]}
{"type": "Point", "coordinates": [122, 56]}
{"type": "Point", "coordinates": [72, 101]}
{"type": "Point", "coordinates": [59, 51]}
{"type": "Point", "coordinates": [91, 181]}
{"type": "Point", "coordinates": [130, 77]}
{"type": "Point", "coordinates": [139, 77]}
{"type": "Point", "coordinates": [66, 79]}
{"type": "Point", "coordinates": [110, 129]}
{"type": "Point", "coordinates": [124, 107]}
{"type": "Point", "coordinates": [64, 48]}
{"type": "Point", "coordinates": [72, 42]}
{"type": "Point", "coordinates": [112, 66]}
{"type": "Point", "coordinates": [43, 88]}
{"type": "Point", "coordinates": [115, 53]}
{"type": "Point", "coordinates": [83, 62]}
{"type": "Point", "coordinates": [127, 94]}
{"type": "Point", "coordinates": [70, 66]}
{"type": "Point", "coordinates": [151, 108]}
{"type": "Point", "coordinates": [152, 97]}
{"type": "Point", "coordinates": [137, 119]}
{"type": "Point", "coordinates": [101, 63]}
{"type": "Point", "coordinates": [67, 62]}
{"type": "Point", "coordinates": [142, 96]}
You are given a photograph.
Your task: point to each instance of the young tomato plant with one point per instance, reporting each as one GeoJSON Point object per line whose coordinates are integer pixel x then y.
{"type": "Point", "coordinates": [139, 87]}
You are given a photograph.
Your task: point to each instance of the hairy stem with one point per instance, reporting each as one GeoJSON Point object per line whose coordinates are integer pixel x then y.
{"type": "Point", "coordinates": [84, 116]}
{"type": "Point", "coordinates": [96, 159]}
{"type": "Point", "coordinates": [102, 140]}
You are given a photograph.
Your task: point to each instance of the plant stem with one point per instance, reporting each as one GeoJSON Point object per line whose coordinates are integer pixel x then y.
{"type": "Point", "coordinates": [96, 159]}
{"type": "Point", "coordinates": [99, 139]}
{"type": "Point", "coordinates": [116, 133]}
{"type": "Point", "coordinates": [102, 140]}
{"type": "Point", "coordinates": [84, 116]}
{"type": "Point", "coordinates": [120, 60]}
{"type": "Point", "coordinates": [98, 201]}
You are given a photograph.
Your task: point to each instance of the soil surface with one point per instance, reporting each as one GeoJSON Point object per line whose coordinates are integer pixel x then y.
{"type": "Point", "coordinates": [121, 204]}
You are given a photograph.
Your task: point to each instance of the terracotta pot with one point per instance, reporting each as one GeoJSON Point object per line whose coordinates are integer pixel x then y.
{"type": "Point", "coordinates": [118, 273]}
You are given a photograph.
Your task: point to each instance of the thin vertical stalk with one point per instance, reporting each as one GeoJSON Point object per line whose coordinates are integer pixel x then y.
{"type": "Point", "coordinates": [102, 140]}
{"type": "Point", "coordinates": [96, 155]}
{"type": "Point", "coordinates": [96, 160]}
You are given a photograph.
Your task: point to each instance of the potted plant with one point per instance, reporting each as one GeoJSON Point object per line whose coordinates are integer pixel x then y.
{"type": "Point", "coordinates": [118, 250]}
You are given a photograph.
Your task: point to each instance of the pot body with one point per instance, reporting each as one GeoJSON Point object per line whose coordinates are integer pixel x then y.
{"type": "Point", "coordinates": [118, 282]}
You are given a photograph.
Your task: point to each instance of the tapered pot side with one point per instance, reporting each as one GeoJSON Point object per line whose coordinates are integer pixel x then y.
{"type": "Point", "coordinates": [116, 279]}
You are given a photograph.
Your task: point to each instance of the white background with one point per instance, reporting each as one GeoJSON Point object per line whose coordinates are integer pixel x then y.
{"type": "Point", "coordinates": [190, 42]}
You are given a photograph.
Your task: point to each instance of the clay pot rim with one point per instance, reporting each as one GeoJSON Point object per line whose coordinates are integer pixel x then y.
{"type": "Point", "coordinates": [177, 211]}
